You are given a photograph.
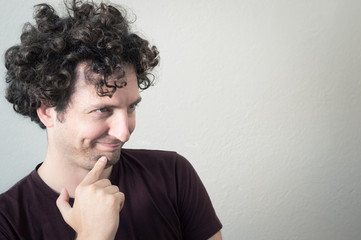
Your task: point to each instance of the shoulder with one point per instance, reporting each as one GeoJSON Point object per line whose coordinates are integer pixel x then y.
{"type": "Point", "coordinates": [149, 154]}
{"type": "Point", "coordinates": [11, 200]}
{"type": "Point", "coordinates": [12, 206]}
{"type": "Point", "coordinates": [168, 164]}
{"type": "Point", "coordinates": [158, 157]}
{"type": "Point", "coordinates": [28, 211]}
{"type": "Point", "coordinates": [19, 196]}
{"type": "Point", "coordinates": [15, 192]}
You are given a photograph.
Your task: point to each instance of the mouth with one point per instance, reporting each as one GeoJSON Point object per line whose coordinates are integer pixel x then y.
{"type": "Point", "coordinates": [109, 146]}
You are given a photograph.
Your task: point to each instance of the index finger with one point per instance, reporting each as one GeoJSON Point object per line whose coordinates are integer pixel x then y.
{"type": "Point", "coordinates": [94, 174]}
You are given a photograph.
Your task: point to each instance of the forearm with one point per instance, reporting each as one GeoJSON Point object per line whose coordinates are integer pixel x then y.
{"type": "Point", "coordinates": [93, 237]}
{"type": "Point", "coordinates": [217, 236]}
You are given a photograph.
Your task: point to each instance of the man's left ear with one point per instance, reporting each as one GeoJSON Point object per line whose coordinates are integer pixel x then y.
{"type": "Point", "coordinates": [47, 115]}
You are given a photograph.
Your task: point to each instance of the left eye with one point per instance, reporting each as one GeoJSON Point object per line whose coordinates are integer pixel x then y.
{"type": "Point", "coordinates": [132, 107]}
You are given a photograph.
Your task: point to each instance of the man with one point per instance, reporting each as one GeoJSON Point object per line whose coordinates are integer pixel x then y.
{"type": "Point", "coordinates": [78, 77]}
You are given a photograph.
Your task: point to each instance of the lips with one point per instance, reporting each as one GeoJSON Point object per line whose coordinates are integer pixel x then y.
{"type": "Point", "coordinates": [110, 145]}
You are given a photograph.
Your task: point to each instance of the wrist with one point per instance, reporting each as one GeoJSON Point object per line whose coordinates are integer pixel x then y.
{"type": "Point", "coordinates": [85, 236]}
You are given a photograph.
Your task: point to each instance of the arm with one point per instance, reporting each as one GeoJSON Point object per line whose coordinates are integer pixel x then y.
{"type": "Point", "coordinates": [197, 214]}
{"type": "Point", "coordinates": [95, 213]}
{"type": "Point", "coordinates": [217, 236]}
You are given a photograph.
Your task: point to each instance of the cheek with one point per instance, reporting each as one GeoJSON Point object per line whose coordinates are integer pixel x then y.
{"type": "Point", "coordinates": [132, 124]}
{"type": "Point", "coordinates": [93, 131]}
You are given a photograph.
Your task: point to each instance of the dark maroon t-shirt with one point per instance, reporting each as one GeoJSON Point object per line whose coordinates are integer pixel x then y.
{"type": "Point", "coordinates": [165, 199]}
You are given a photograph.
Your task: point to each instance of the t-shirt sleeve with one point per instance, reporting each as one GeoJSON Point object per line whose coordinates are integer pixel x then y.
{"type": "Point", "coordinates": [3, 235]}
{"type": "Point", "coordinates": [5, 229]}
{"type": "Point", "coordinates": [197, 215]}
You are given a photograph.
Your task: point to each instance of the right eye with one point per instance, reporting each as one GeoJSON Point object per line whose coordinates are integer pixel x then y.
{"type": "Point", "coordinates": [101, 110]}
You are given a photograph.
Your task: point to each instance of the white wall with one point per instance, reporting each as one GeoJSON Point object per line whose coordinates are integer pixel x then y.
{"type": "Point", "coordinates": [263, 97]}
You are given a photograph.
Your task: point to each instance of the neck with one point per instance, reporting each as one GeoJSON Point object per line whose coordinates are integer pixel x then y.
{"type": "Point", "coordinates": [59, 173]}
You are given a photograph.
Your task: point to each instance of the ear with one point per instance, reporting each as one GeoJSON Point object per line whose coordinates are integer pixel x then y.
{"type": "Point", "coordinates": [47, 115]}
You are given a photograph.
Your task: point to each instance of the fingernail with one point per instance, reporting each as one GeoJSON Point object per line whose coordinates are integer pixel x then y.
{"type": "Point", "coordinates": [103, 159]}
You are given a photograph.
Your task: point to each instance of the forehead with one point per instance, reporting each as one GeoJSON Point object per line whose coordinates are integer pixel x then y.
{"type": "Point", "coordinates": [85, 91]}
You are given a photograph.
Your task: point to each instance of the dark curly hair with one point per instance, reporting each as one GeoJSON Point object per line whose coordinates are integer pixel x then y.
{"type": "Point", "coordinates": [42, 68]}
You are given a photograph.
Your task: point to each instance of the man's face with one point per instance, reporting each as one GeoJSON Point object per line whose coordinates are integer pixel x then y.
{"type": "Point", "coordinates": [93, 126]}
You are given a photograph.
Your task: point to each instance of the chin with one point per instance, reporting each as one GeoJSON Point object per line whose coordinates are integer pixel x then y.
{"type": "Point", "coordinates": [113, 157]}
{"type": "Point", "coordinates": [112, 161]}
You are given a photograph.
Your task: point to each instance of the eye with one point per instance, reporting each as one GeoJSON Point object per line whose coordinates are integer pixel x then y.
{"type": "Point", "coordinates": [102, 110]}
{"type": "Point", "coordinates": [132, 107]}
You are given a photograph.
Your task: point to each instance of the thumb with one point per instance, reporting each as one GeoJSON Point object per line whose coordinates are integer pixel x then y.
{"type": "Point", "coordinates": [63, 205]}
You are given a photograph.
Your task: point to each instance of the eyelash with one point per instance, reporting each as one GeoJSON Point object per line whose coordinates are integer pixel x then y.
{"type": "Point", "coordinates": [133, 107]}
{"type": "Point", "coordinates": [102, 110]}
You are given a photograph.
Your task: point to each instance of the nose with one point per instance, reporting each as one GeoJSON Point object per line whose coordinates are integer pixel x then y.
{"type": "Point", "coordinates": [119, 126]}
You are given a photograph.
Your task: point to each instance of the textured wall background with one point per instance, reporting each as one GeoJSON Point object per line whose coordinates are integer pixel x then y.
{"type": "Point", "coordinates": [263, 97]}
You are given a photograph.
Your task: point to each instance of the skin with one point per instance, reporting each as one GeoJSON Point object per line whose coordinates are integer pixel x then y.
{"type": "Point", "coordinates": [90, 222]}
{"type": "Point", "coordinates": [91, 127]}
{"type": "Point", "coordinates": [83, 145]}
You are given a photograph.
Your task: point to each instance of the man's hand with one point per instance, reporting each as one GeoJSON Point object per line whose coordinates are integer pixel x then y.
{"type": "Point", "coordinates": [95, 213]}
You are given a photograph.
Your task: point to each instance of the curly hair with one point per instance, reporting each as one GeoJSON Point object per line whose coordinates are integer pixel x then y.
{"type": "Point", "coordinates": [42, 68]}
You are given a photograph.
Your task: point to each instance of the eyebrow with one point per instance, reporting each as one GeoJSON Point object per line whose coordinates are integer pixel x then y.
{"type": "Point", "coordinates": [136, 102]}
{"type": "Point", "coordinates": [98, 106]}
